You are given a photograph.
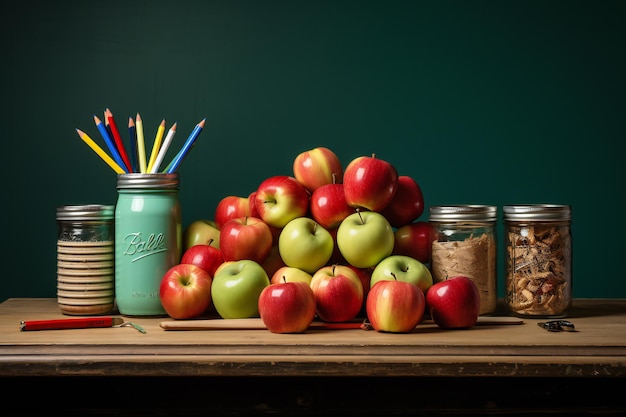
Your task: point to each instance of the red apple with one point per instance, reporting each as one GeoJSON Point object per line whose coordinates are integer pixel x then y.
{"type": "Point", "coordinates": [365, 275]}
{"type": "Point", "coordinates": [231, 207]}
{"type": "Point", "coordinates": [370, 183]}
{"type": "Point", "coordinates": [252, 211]}
{"type": "Point", "coordinates": [454, 303]}
{"type": "Point", "coordinates": [280, 199]}
{"type": "Point", "coordinates": [407, 203]}
{"type": "Point", "coordinates": [273, 261]}
{"type": "Point", "coordinates": [338, 293]}
{"type": "Point", "coordinates": [245, 238]}
{"type": "Point", "coordinates": [185, 291]}
{"type": "Point", "coordinates": [395, 306]}
{"type": "Point", "coordinates": [329, 206]}
{"type": "Point", "coordinates": [316, 167]}
{"type": "Point", "coordinates": [206, 257]}
{"type": "Point", "coordinates": [414, 240]}
{"type": "Point", "coordinates": [287, 307]}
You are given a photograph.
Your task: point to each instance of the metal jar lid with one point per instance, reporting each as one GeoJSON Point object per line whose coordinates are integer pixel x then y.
{"type": "Point", "coordinates": [464, 212]}
{"type": "Point", "coordinates": [539, 212]}
{"type": "Point", "coordinates": [145, 181]}
{"type": "Point", "coordinates": [85, 212]}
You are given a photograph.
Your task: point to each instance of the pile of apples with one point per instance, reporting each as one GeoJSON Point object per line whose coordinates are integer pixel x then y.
{"type": "Point", "coordinates": [325, 242]}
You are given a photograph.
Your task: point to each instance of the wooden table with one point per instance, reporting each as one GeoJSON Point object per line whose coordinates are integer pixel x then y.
{"type": "Point", "coordinates": [489, 368]}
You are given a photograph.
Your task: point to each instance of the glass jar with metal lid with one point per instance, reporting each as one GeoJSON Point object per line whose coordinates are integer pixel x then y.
{"type": "Point", "coordinates": [538, 255]}
{"type": "Point", "coordinates": [85, 223]}
{"type": "Point", "coordinates": [465, 244]}
{"type": "Point", "coordinates": [148, 239]}
{"type": "Point", "coordinates": [85, 259]}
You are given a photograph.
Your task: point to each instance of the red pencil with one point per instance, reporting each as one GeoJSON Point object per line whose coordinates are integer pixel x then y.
{"type": "Point", "coordinates": [74, 323]}
{"type": "Point", "coordinates": [118, 140]}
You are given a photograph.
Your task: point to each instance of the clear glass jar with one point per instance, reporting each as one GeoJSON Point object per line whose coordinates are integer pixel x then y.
{"type": "Point", "coordinates": [85, 259]}
{"type": "Point", "coordinates": [465, 244]}
{"type": "Point", "coordinates": [148, 240]}
{"type": "Point", "coordinates": [538, 243]}
{"type": "Point", "coordinates": [85, 223]}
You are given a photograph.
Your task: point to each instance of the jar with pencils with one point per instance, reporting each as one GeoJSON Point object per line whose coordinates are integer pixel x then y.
{"type": "Point", "coordinates": [148, 239]}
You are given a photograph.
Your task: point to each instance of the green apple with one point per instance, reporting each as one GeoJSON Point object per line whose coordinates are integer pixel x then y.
{"type": "Point", "coordinates": [201, 232]}
{"type": "Point", "coordinates": [365, 238]}
{"type": "Point", "coordinates": [402, 268]}
{"type": "Point", "coordinates": [290, 274]}
{"type": "Point", "coordinates": [305, 244]}
{"type": "Point", "coordinates": [236, 288]}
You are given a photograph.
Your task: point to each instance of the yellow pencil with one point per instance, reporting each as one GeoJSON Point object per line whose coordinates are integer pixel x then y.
{"type": "Point", "coordinates": [141, 146]}
{"type": "Point", "coordinates": [94, 146]}
{"type": "Point", "coordinates": [157, 145]}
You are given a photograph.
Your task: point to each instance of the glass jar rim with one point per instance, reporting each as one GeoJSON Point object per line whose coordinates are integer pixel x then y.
{"type": "Point", "coordinates": [85, 212]}
{"type": "Point", "coordinates": [137, 180]}
{"type": "Point", "coordinates": [464, 212]}
{"type": "Point", "coordinates": [540, 212]}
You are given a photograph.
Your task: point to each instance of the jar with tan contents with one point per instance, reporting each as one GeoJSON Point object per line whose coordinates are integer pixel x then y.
{"type": "Point", "coordinates": [85, 259]}
{"type": "Point", "coordinates": [465, 244]}
{"type": "Point", "coordinates": [538, 255]}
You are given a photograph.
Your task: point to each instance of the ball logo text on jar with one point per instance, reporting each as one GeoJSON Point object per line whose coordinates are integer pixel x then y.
{"type": "Point", "coordinates": [135, 245]}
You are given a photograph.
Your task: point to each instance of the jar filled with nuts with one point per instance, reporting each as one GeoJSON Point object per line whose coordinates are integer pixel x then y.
{"type": "Point", "coordinates": [538, 255]}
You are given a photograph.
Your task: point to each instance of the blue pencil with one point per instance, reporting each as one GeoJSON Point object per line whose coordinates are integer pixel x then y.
{"type": "Point", "coordinates": [178, 159]}
{"type": "Point", "coordinates": [109, 142]}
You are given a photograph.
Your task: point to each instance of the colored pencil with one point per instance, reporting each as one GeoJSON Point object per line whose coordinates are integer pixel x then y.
{"type": "Point", "coordinates": [108, 128]}
{"type": "Point", "coordinates": [105, 157]}
{"type": "Point", "coordinates": [184, 151]}
{"type": "Point", "coordinates": [109, 142]}
{"type": "Point", "coordinates": [141, 146]}
{"type": "Point", "coordinates": [133, 144]}
{"type": "Point", "coordinates": [163, 150]}
{"type": "Point", "coordinates": [118, 139]}
{"type": "Point", "coordinates": [156, 145]}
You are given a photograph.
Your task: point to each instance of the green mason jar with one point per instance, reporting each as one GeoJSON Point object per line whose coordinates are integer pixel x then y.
{"type": "Point", "coordinates": [148, 239]}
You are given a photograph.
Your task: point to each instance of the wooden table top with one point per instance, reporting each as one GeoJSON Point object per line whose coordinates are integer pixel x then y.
{"type": "Point", "coordinates": [597, 348]}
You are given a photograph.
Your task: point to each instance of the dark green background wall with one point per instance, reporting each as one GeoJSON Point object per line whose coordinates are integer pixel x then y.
{"type": "Point", "coordinates": [494, 102]}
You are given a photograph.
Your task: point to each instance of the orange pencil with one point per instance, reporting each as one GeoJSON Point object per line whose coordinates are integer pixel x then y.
{"type": "Point", "coordinates": [118, 140]}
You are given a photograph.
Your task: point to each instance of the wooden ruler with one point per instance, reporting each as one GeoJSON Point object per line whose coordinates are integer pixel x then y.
{"type": "Point", "coordinates": [257, 324]}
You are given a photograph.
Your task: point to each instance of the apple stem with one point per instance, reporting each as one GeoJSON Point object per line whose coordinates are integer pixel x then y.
{"type": "Point", "coordinates": [394, 276]}
{"type": "Point", "coordinates": [360, 217]}
{"type": "Point", "coordinates": [284, 279]}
